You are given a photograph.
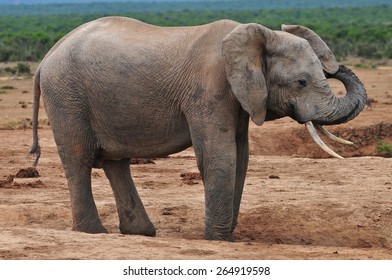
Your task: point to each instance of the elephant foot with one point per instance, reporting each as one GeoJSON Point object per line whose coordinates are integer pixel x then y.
{"type": "Point", "coordinates": [228, 238]}
{"type": "Point", "coordinates": [233, 227]}
{"type": "Point", "coordinates": [219, 235]}
{"type": "Point", "coordinates": [147, 229]}
{"type": "Point", "coordinates": [93, 228]}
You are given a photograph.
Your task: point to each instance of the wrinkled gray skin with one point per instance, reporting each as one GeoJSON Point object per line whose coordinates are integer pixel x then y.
{"type": "Point", "coordinates": [116, 89]}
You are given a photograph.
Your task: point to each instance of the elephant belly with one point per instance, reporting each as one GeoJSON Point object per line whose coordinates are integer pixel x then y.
{"type": "Point", "coordinates": [143, 137]}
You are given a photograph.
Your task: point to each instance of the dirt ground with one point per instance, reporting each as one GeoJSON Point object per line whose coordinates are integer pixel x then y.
{"type": "Point", "coordinates": [298, 202]}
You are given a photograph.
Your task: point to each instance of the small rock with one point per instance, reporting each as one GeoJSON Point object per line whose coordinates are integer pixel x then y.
{"type": "Point", "coordinates": [190, 177]}
{"type": "Point", "coordinates": [142, 161]}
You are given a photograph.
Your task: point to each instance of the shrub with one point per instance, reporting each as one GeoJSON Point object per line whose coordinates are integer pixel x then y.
{"type": "Point", "coordinates": [7, 87]}
{"type": "Point", "coordinates": [23, 68]}
{"type": "Point", "coordinates": [385, 149]}
{"type": "Point", "coordinates": [10, 70]}
{"type": "Point", "coordinates": [19, 69]}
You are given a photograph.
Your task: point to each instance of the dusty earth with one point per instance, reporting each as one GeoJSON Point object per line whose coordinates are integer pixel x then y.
{"type": "Point", "coordinates": [298, 203]}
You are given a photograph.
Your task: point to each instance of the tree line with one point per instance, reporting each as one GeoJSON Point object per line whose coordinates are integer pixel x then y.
{"type": "Point", "coordinates": [30, 7]}
{"type": "Point", "coordinates": [358, 31]}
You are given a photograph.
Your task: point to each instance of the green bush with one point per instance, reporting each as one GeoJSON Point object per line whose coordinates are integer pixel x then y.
{"type": "Point", "coordinates": [23, 68]}
{"type": "Point", "coordinates": [11, 70]}
{"type": "Point", "coordinates": [7, 87]}
{"type": "Point", "coordinates": [19, 69]}
{"type": "Point", "coordinates": [384, 149]}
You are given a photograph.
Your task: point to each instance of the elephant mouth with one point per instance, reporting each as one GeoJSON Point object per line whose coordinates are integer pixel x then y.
{"type": "Point", "coordinates": [313, 129]}
{"type": "Point", "coordinates": [271, 115]}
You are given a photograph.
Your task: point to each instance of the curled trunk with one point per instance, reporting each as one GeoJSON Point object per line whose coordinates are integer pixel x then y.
{"type": "Point", "coordinates": [344, 109]}
{"type": "Point", "coordinates": [340, 109]}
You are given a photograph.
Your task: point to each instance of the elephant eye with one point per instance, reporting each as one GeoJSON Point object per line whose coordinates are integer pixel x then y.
{"type": "Point", "coordinates": [302, 82]}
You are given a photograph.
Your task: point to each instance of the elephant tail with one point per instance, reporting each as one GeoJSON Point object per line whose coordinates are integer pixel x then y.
{"type": "Point", "coordinates": [35, 148]}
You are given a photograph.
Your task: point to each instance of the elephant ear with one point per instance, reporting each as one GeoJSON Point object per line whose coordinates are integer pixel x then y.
{"type": "Point", "coordinates": [328, 60]}
{"type": "Point", "coordinates": [243, 50]}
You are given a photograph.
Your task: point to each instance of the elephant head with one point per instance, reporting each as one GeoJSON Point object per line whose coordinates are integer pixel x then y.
{"type": "Point", "coordinates": [284, 73]}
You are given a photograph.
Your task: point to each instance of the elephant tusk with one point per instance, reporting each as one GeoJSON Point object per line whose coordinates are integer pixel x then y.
{"type": "Point", "coordinates": [317, 139]}
{"type": "Point", "coordinates": [331, 136]}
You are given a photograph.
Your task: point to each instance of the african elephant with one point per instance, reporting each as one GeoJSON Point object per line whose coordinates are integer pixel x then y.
{"type": "Point", "coordinates": [116, 88]}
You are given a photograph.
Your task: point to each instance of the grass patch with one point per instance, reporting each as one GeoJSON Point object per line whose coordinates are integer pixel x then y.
{"type": "Point", "coordinates": [7, 87]}
{"type": "Point", "coordinates": [385, 149]}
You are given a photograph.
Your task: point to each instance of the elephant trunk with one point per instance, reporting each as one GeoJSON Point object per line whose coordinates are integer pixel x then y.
{"type": "Point", "coordinates": [340, 109]}
{"type": "Point", "coordinates": [343, 109]}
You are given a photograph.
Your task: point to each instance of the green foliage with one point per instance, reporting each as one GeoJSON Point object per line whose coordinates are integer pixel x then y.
{"type": "Point", "coordinates": [7, 87]}
{"type": "Point", "coordinates": [19, 69]}
{"type": "Point", "coordinates": [384, 148]}
{"type": "Point", "coordinates": [360, 31]}
{"type": "Point", "coordinates": [23, 68]}
{"type": "Point", "coordinates": [71, 7]}
{"type": "Point", "coordinates": [2, 89]}
{"type": "Point", "coordinates": [11, 70]}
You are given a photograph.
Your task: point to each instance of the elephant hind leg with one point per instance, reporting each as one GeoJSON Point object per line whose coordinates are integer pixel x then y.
{"type": "Point", "coordinates": [77, 148]}
{"type": "Point", "coordinates": [78, 172]}
{"type": "Point", "coordinates": [84, 211]}
{"type": "Point", "coordinates": [132, 215]}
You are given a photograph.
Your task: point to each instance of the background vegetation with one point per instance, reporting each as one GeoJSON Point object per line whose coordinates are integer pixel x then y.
{"type": "Point", "coordinates": [358, 31]}
{"type": "Point", "coordinates": [29, 7]}
{"type": "Point", "coordinates": [384, 149]}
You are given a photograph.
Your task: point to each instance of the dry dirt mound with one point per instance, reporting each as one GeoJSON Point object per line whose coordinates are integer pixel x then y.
{"type": "Point", "coordinates": [29, 172]}
{"type": "Point", "coordinates": [295, 140]}
{"type": "Point", "coordinates": [11, 181]}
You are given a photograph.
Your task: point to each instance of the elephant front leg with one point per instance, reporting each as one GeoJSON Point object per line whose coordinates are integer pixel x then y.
{"type": "Point", "coordinates": [218, 210]}
{"type": "Point", "coordinates": [241, 168]}
{"type": "Point", "coordinates": [132, 215]}
{"type": "Point", "coordinates": [217, 164]}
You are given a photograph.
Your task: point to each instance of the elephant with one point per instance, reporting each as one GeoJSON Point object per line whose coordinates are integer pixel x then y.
{"type": "Point", "coordinates": [116, 88]}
